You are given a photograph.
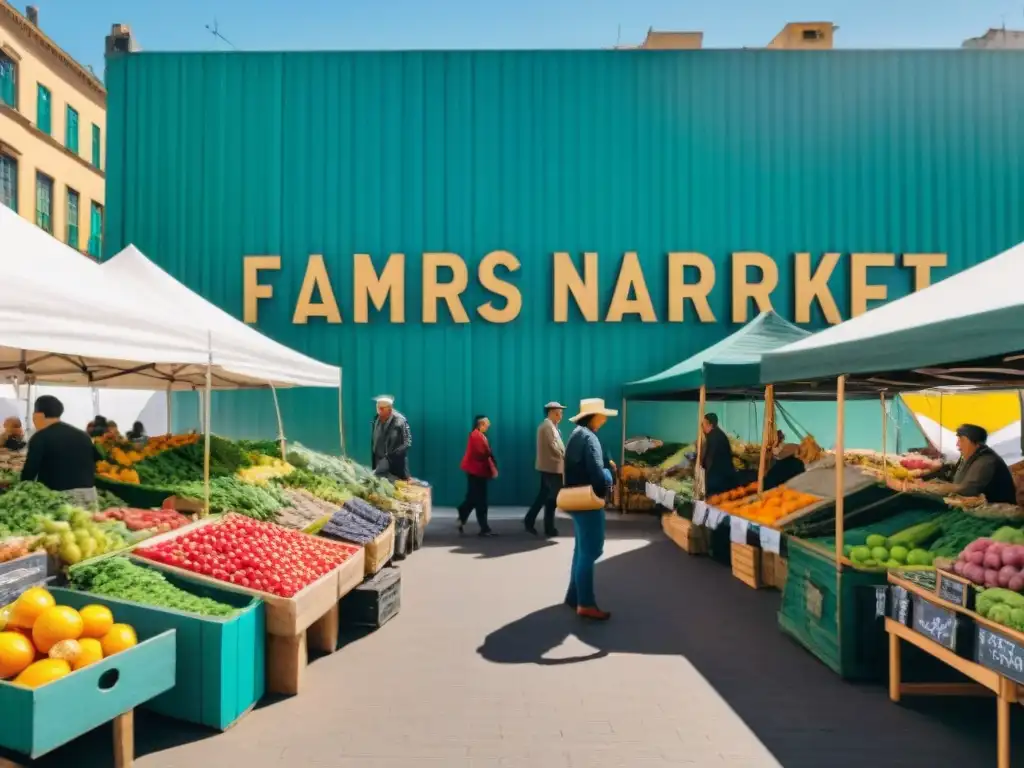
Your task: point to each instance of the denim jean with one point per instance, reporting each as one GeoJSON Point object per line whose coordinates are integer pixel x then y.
{"type": "Point", "coordinates": [589, 530]}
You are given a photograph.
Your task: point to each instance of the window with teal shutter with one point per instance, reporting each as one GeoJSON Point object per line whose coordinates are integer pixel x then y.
{"type": "Point", "coordinates": [96, 146]}
{"type": "Point", "coordinates": [44, 202]}
{"type": "Point", "coordinates": [72, 217]}
{"type": "Point", "coordinates": [71, 129]}
{"type": "Point", "coordinates": [96, 230]}
{"type": "Point", "coordinates": [8, 181]}
{"type": "Point", "coordinates": [8, 81]}
{"type": "Point", "coordinates": [43, 118]}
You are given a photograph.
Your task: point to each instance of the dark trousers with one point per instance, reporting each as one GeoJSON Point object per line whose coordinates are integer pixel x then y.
{"type": "Point", "coordinates": [476, 498]}
{"type": "Point", "coordinates": [550, 485]}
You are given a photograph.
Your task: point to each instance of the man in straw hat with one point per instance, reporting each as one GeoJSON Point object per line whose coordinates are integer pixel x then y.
{"type": "Point", "coordinates": [392, 439]}
{"type": "Point", "coordinates": [587, 465]}
{"type": "Point", "coordinates": [550, 465]}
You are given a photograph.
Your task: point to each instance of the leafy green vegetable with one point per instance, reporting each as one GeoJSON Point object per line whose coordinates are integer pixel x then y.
{"type": "Point", "coordinates": [119, 577]}
{"type": "Point", "coordinates": [23, 505]}
{"type": "Point", "coordinates": [185, 463]}
{"type": "Point", "coordinates": [229, 494]}
{"type": "Point", "coordinates": [322, 487]}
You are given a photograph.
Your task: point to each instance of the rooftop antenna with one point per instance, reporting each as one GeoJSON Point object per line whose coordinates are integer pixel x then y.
{"type": "Point", "coordinates": [215, 31]}
{"type": "Point", "coordinates": [618, 36]}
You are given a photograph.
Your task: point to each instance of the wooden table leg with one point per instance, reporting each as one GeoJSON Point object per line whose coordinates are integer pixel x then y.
{"type": "Point", "coordinates": [895, 671]}
{"type": "Point", "coordinates": [124, 740]}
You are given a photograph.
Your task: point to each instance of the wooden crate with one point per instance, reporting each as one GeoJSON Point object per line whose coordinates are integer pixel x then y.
{"type": "Point", "coordinates": [38, 720]}
{"type": "Point", "coordinates": [380, 551]}
{"type": "Point", "coordinates": [374, 602]}
{"type": "Point", "coordinates": [773, 570]}
{"type": "Point", "coordinates": [221, 662]}
{"type": "Point", "coordinates": [746, 564]}
{"type": "Point", "coordinates": [781, 572]}
{"type": "Point", "coordinates": [692, 539]}
{"type": "Point", "coordinates": [308, 621]}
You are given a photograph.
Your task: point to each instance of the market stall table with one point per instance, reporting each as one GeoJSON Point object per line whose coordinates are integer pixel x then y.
{"type": "Point", "coordinates": [940, 642]}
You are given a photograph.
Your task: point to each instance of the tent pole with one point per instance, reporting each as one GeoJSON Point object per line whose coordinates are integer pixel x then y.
{"type": "Point", "coordinates": [170, 406]}
{"type": "Point", "coordinates": [697, 473]}
{"type": "Point", "coordinates": [766, 435]}
{"type": "Point", "coordinates": [341, 416]}
{"type": "Point", "coordinates": [206, 436]}
{"type": "Point", "coordinates": [840, 487]}
{"type": "Point", "coordinates": [622, 459]}
{"type": "Point", "coordinates": [885, 442]}
{"type": "Point", "coordinates": [28, 402]}
{"type": "Point", "coordinates": [280, 423]}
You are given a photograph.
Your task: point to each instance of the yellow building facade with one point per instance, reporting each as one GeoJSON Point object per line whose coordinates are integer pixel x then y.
{"type": "Point", "coordinates": [52, 134]}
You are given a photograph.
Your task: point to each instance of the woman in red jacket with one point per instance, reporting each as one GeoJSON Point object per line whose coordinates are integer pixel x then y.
{"type": "Point", "coordinates": [480, 468]}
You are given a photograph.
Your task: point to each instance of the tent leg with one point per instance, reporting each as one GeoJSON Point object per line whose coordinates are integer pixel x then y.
{"type": "Point", "coordinates": [341, 415]}
{"type": "Point", "coordinates": [766, 435]}
{"type": "Point", "coordinates": [885, 442]}
{"type": "Point", "coordinates": [170, 407]}
{"type": "Point", "coordinates": [697, 473]}
{"type": "Point", "coordinates": [622, 460]}
{"type": "Point", "coordinates": [840, 487]}
{"type": "Point", "coordinates": [206, 435]}
{"type": "Point", "coordinates": [28, 403]}
{"type": "Point", "coordinates": [280, 422]}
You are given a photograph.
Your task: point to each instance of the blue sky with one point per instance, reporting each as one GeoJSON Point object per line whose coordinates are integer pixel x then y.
{"type": "Point", "coordinates": [80, 26]}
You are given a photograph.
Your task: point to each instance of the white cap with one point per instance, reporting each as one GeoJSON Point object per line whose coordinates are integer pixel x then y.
{"type": "Point", "coordinates": [554, 404]}
{"type": "Point", "coordinates": [384, 399]}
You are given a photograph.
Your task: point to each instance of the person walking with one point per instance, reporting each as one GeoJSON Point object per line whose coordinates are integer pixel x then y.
{"type": "Point", "coordinates": [480, 467]}
{"type": "Point", "coordinates": [587, 469]}
{"type": "Point", "coordinates": [391, 440]}
{"type": "Point", "coordinates": [550, 466]}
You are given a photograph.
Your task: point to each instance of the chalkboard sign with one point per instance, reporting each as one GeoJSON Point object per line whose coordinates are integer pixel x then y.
{"type": "Point", "coordinates": [999, 653]}
{"type": "Point", "coordinates": [18, 575]}
{"type": "Point", "coordinates": [936, 623]}
{"type": "Point", "coordinates": [953, 589]}
{"type": "Point", "coordinates": [900, 605]}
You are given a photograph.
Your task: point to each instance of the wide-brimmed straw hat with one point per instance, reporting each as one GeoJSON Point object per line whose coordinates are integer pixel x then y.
{"type": "Point", "coordinates": [593, 406]}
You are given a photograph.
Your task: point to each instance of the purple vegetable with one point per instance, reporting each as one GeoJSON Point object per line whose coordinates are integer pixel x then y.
{"type": "Point", "coordinates": [978, 545]}
{"type": "Point", "coordinates": [976, 558]}
{"type": "Point", "coordinates": [1017, 583]}
{"type": "Point", "coordinates": [958, 567]}
{"type": "Point", "coordinates": [991, 577]}
{"type": "Point", "coordinates": [1006, 573]}
{"type": "Point", "coordinates": [993, 561]}
{"type": "Point", "coordinates": [1012, 556]}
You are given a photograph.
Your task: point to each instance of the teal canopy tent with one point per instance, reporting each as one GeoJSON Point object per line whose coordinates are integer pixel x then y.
{"type": "Point", "coordinates": [732, 367]}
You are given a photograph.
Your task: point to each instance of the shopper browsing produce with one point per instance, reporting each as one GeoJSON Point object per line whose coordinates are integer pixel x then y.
{"type": "Point", "coordinates": [60, 456]}
{"type": "Point", "coordinates": [785, 462]}
{"type": "Point", "coordinates": [13, 436]}
{"type": "Point", "coordinates": [392, 439]}
{"type": "Point", "coordinates": [980, 471]}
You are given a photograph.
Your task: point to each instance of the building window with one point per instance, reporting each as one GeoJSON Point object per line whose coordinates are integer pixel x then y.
{"type": "Point", "coordinates": [44, 120]}
{"type": "Point", "coordinates": [71, 129]}
{"type": "Point", "coordinates": [97, 147]}
{"type": "Point", "coordinates": [8, 181]}
{"type": "Point", "coordinates": [812, 34]}
{"type": "Point", "coordinates": [72, 217]}
{"type": "Point", "coordinates": [96, 230]}
{"type": "Point", "coordinates": [44, 202]}
{"type": "Point", "coordinates": [8, 81]}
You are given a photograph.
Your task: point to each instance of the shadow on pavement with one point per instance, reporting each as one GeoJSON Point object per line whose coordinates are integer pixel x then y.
{"type": "Point", "coordinates": [664, 602]}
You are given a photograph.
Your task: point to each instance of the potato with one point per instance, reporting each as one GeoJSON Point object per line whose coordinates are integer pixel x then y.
{"type": "Point", "coordinates": [991, 577]}
{"type": "Point", "coordinates": [1006, 574]}
{"type": "Point", "coordinates": [993, 561]}
{"type": "Point", "coordinates": [958, 567]}
{"type": "Point", "coordinates": [975, 573]}
{"type": "Point", "coordinates": [1016, 583]}
{"type": "Point", "coordinates": [976, 558]}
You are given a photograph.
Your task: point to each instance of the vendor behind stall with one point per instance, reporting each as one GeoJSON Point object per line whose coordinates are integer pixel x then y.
{"type": "Point", "coordinates": [980, 471]}
{"type": "Point", "coordinates": [60, 456]}
{"type": "Point", "coordinates": [13, 436]}
{"type": "Point", "coordinates": [716, 458]}
{"type": "Point", "coordinates": [785, 463]}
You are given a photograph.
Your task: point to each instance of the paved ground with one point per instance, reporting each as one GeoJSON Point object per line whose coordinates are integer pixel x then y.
{"type": "Point", "coordinates": [484, 668]}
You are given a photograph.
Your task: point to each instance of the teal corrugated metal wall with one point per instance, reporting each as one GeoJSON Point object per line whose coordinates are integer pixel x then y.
{"type": "Point", "coordinates": [214, 156]}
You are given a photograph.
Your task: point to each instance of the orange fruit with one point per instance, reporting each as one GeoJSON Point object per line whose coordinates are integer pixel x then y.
{"type": "Point", "coordinates": [97, 621]}
{"type": "Point", "coordinates": [92, 651]}
{"type": "Point", "coordinates": [16, 653]}
{"type": "Point", "coordinates": [61, 622]}
{"type": "Point", "coordinates": [121, 637]}
{"type": "Point", "coordinates": [43, 672]}
{"type": "Point", "coordinates": [69, 650]}
{"type": "Point", "coordinates": [29, 606]}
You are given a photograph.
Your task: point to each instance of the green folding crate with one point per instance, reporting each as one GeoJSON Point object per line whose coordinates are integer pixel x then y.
{"type": "Point", "coordinates": [852, 643]}
{"type": "Point", "coordinates": [221, 670]}
{"type": "Point", "coordinates": [36, 721]}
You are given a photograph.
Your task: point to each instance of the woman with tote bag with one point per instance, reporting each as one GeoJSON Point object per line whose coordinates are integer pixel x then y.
{"type": "Point", "coordinates": [587, 484]}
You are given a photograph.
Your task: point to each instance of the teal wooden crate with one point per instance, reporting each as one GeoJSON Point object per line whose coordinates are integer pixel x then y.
{"type": "Point", "coordinates": [36, 721]}
{"type": "Point", "coordinates": [221, 671]}
{"type": "Point", "coordinates": [853, 643]}
{"type": "Point", "coordinates": [138, 496]}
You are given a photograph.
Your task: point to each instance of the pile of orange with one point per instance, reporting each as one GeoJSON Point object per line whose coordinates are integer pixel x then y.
{"type": "Point", "coordinates": [771, 506]}
{"type": "Point", "coordinates": [721, 499]}
{"type": "Point", "coordinates": [43, 641]}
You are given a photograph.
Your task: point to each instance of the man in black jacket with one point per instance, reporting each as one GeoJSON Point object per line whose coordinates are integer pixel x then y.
{"type": "Point", "coordinates": [60, 456]}
{"type": "Point", "coordinates": [981, 471]}
{"type": "Point", "coordinates": [716, 458]}
{"type": "Point", "coordinates": [391, 440]}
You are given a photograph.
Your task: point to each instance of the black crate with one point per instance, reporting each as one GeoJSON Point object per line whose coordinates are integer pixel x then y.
{"type": "Point", "coordinates": [374, 602]}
